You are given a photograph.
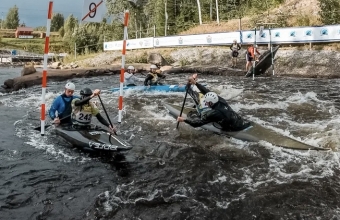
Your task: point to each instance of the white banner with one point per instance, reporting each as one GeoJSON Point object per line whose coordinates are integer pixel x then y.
{"type": "Point", "coordinates": [130, 44]}
{"type": "Point", "coordinates": [93, 10]}
{"type": "Point", "coordinates": [139, 43]}
{"type": "Point", "coordinates": [198, 39]}
{"type": "Point", "coordinates": [329, 33]}
{"type": "Point", "coordinates": [294, 35]}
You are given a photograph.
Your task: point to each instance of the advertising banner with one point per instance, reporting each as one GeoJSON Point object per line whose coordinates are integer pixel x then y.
{"type": "Point", "coordinates": [330, 33]}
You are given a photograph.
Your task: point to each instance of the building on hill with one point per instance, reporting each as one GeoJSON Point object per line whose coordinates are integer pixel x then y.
{"type": "Point", "coordinates": [24, 32]}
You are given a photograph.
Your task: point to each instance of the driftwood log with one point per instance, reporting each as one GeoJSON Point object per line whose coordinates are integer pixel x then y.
{"type": "Point", "coordinates": [26, 81]}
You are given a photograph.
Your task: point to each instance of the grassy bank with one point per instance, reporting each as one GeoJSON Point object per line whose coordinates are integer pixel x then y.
{"type": "Point", "coordinates": [35, 45]}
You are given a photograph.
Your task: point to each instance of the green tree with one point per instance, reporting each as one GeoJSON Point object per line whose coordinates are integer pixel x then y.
{"type": "Point", "coordinates": [12, 18]}
{"type": "Point", "coordinates": [62, 31]}
{"type": "Point", "coordinates": [329, 11]}
{"type": "Point", "coordinates": [57, 21]}
{"type": "Point", "coordinates": [70, 25]}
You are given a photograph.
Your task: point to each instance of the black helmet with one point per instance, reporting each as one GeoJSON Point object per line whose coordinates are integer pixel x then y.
{"type": "Point", "coordinates": [86, 92]}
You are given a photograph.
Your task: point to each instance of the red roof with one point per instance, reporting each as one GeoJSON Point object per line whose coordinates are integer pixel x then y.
{"type": "Point", "coordinates": [24, 29]}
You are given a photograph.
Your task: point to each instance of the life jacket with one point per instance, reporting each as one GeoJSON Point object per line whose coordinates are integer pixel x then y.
{"type": "Point", "coordinates": [82, 115]}
{"type": "Point", "coordinates": [155, 77]}
{"type": "Point", "coordinates": [234, 47]}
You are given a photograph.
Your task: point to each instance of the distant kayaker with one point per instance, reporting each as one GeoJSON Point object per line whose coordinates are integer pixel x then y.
{"type": "Point", "coordinates": [84, 109]}
{"type": "Point", "coordinates": [235, 47]}
{"type": "Point", "coordinates": [129, 77]}
{"type": "Point", "coordinates": [250, 56]}
{"type": "Point", "coordinates": [153, 77]}
{"type": "Point", "coordinates": [220, 112]}
{"type": "Point", "coordinates": [62, 105]}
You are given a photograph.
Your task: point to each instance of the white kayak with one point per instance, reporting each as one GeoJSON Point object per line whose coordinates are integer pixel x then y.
{"type": "Point", "coordinates": [253, 133]}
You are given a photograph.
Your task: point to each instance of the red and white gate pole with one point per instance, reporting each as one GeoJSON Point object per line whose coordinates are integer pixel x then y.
{"type": "Point", "coordinates": [122, 70]}
{"type": "Point", "coordinates": [44, 76]}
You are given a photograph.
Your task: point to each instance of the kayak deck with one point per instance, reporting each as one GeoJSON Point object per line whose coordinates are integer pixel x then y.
{"type": "Point", "coordinates": [93, 140]}
{"type": "Point", "coordinates": [254, 133]}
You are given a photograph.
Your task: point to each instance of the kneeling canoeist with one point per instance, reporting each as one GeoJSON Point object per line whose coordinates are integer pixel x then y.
{"type": "Point", "coordinates": [129, 77]}
{"type": "Point", "coordinates": [84, 109]}
{"type": "Point", "coordinates": [220, 112]}
{"type": "Point", "coordinates": [62, 105]}
{"type": "Point", "coordinates": [152, 79]}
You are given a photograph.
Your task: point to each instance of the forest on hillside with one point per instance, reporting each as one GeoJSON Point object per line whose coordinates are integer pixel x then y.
{"type": "Point", "coordinates": [163, 18]}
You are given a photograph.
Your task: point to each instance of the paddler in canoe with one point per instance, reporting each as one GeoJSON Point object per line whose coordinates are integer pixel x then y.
{"type": "Point", "coordinates": [129, 77]}
{"type": "Point", "coordinates": [83, 109]}
{"type": "Point", "coordinates": [62, 106]}
{"type": "Point", "coordinates": [219, 111]}
{"type": "Point", "coordinates": [154, 76]}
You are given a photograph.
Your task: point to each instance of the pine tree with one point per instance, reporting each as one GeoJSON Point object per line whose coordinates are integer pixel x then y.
{"type": "Point", "coordinates": [12, 18]}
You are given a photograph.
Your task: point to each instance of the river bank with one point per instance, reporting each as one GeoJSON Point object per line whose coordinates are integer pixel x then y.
{"type": "Point", "coordinates": [203, 60]}
{"type": "Point", "coordinates": [289, 61]}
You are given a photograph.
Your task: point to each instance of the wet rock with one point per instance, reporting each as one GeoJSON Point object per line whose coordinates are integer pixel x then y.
{"type": "Point", "coordinates": [164, 68]}
{"type": "Point", "coordinates": [8, 84]}
{"type": "Point", "coordinates": [157, 59]}
{"type": "Point", "coordinates": [55, 65]}
{"type": "Point", "coordinates": [27, 70]}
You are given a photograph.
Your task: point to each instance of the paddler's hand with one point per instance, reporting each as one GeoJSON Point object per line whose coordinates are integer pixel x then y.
{"type": "Point", "coordinates": [95, 93]}
{"type": "Point", "coordinates": [191, 80]}
{"type": "Point", "coordinates": [180, 119]}
{"type": "Point", "coordinates": [113, 129]}
{"type": "Point", "coordinates": [56, 121]}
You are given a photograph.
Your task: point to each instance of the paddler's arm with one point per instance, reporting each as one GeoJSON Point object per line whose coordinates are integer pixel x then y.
{"type": "Point", "coordinates": [102, 120]}
{"type": "Point", "coordinates": [86, 99]}
{"type": "Point", "coordinates": [238, 47]}
{"type": "Point", "coordinates": [54, 107]}
{"type": "Point", "coordinates": [148, 77]}
{"type": "Point", "coordinates": [194, 122]}
{"type": "Point", "coordinates": [192, 81]}
{"type": "Point", "coordinates": [82, 101]}
{"type": "Point", "coordinates": [201, 87]}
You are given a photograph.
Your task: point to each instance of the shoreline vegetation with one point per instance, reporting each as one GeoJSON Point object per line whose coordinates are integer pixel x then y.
{"type": "Point", "coordinates": [202, 60]}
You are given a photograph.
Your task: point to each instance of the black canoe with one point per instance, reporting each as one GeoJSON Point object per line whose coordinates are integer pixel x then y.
{"type": "Point", "coordinates": [93, 140]}
{"type": "Point", "coordinates": [254, 133]}
{"type": "Point", "coordinates": [264, 63]}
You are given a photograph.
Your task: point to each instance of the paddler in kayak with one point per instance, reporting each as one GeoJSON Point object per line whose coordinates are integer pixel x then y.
{"type": "Point", "coordinates": [129, 77]}
{"type": "Point", "coordinates": [153, 77]}
{"type": "Point", "coordinates": [220, 112]}
{"type": "Point", "coordinates": [62, 105]}
{"type": "Point", "coordinates": [84, 109]}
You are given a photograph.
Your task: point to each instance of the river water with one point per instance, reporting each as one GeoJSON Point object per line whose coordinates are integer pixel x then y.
{"type": "Point", "coordinates": [176, 174]}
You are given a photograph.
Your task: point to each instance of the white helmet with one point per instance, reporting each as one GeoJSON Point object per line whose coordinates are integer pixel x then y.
{"type": "Point", "coordinates": [211, 97]}
{"type": "Point", "coordinates": [130, 68]}
{"type": "Point", "coordinates": [153, 66]}
{"type": "Point", "coordinates": [70, 86]}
